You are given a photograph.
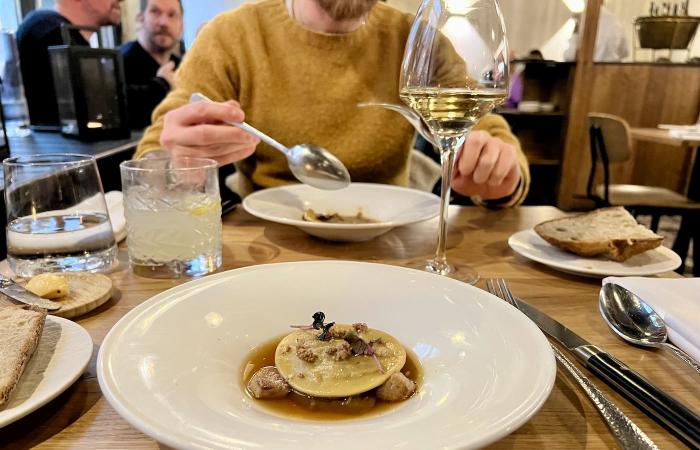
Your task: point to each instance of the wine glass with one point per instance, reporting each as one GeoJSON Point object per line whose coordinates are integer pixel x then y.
{"type": "Point", "coordinates": [454, 71]}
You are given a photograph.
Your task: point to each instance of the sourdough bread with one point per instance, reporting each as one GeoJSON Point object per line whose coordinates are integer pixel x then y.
{"type": "Point", "coordinates": [20, 330]}
{"type": "Point", "coordinates": [608, 232]}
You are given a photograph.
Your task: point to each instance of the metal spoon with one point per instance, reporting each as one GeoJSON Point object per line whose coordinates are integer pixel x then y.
{"type": "Point", "coordinates": [410, 115]}
{"type": "Point", "coordinates": [309, 163]}
{"type": "Point", "coordinates": [636, 321]}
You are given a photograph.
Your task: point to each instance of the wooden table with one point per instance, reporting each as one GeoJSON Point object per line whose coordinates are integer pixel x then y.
{"type": "Point", "coordinates": [664, 137]}
{"type": "Point", "coordinates": [107, 153]}
{"type": "Point", "coordinates": [690, 225]}
{"type": "Point", "coordinates": [82, 418]}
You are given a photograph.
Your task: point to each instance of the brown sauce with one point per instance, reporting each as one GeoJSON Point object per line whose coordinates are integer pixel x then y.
{"type": "Point", "coordinates": [299, 406]}
{"type": "Point", "coordinates": [332, 217]}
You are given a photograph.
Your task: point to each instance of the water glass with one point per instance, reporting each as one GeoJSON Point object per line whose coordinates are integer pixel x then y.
{"type": "Point", "coordinates": [173, 216]}
{"type": "Point", "coordinates": [57, 219]}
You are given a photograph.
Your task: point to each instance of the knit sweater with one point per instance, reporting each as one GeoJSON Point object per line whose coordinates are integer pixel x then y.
{"type": "Point", "coordinates": [301, 86]}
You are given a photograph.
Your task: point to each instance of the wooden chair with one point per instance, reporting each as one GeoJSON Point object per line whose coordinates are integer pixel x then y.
{"type": "Point", "coordinates": [610, 143]}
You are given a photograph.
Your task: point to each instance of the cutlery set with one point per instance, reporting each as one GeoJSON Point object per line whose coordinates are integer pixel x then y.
{"type": "Point", "coordinates": [658, 405]}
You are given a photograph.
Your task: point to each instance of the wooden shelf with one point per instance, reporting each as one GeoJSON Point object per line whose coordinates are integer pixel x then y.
{"type": "Point", "coordinates": [516, 112]}
{"type": "Point", "coordinates": [543, 162]}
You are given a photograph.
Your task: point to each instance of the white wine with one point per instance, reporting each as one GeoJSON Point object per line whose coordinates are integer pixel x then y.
{"type": "Point", "coordinates": [452, 112]}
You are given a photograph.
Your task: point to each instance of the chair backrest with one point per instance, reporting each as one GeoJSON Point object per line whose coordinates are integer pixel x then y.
{"type": "Point", "coordinates": [616, 135]}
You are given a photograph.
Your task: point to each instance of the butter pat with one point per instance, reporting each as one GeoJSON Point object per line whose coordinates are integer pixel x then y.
{"type": "Point", "coordinates": [48, 285]}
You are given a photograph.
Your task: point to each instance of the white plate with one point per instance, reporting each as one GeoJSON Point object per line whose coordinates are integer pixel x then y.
{"type": "Point", "coordinates": [391, 206]}
{"type": "Point", "coordinates": [62, 355]}
{"type": "Point", "coordinates": [528, 244]}
{"type": "Point", "coordinates": [171, 367]}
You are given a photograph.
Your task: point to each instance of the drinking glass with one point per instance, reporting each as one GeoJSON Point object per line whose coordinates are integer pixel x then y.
{"type": "Point", "coordinates": [57, 219]}
{"type": "Point", "coordinates": [173, 216]}
{"type": "Point", "coordinates": [454, 71]}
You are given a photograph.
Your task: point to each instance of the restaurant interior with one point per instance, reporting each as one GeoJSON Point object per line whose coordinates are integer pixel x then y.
{"type": "Point", "coordinates": [352, 223]}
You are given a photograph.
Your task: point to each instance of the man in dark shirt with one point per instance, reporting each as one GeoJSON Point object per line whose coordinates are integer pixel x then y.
{"type": "Point", "coordinates": [149, 61]}
{"type": "Point", "coordinates": [41, 29]}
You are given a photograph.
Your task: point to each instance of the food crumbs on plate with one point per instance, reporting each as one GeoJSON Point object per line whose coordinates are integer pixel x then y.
{"type": "Point", "coordinates": [48, 285]}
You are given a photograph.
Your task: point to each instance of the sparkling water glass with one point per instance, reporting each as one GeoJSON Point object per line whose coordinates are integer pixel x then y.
{"type": "Point", "coordinates": [173, 216]}
{"type": "Point", "coordinates": [57, 219]}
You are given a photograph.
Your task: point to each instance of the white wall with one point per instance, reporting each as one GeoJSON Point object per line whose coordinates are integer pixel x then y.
{"type": "Point", "coordinates": [199, 11]}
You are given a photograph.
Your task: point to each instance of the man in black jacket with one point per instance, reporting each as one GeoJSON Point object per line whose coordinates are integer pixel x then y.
{"type": "Point", "coordinates": [149, 61]}
{"type": "Point", "coordinates": [41, 29]}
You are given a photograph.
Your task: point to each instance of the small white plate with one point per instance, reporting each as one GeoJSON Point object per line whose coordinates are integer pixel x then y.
{"type": "Point", "coordinates": [61, 356]}
{"type": "Point", "coordinates": [528, 244]}
{"type": "Point", "coordinates": [390, 206]}
{"type": "Point", "coordinates": [172, 366]}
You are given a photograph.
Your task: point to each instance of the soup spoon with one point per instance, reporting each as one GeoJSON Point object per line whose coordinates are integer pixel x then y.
{"type": "Point", "coordinates": [309, 163]}
{"type": "Point", "coordinates": [635, 321]}
{"type": "Point", "coordinates": [410, 115]}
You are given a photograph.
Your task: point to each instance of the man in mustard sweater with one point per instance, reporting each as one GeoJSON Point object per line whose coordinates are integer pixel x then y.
{"type": "Point", "coordinates": [296, 69]}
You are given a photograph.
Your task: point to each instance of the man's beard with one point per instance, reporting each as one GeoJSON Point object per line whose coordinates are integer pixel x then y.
{"type": "Point", "coordinates": [346, 9]}
{"type": "Point", "coordinates": [159, 48]}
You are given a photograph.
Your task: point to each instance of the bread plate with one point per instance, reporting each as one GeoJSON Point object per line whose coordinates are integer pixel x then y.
{"type": "Point", "coordinates": [61, 356]}
{"type": "Point", "coordinates": [528, 244]}
{"type": "Point", "coordinates": [172, 366]}
{"type": "Point", "coordinates": [389, 206]}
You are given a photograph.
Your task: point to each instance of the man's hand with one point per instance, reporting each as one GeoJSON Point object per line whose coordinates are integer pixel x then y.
{"type": "Point", "coordinates": [167, 72]}
{"type": "Point", "coordinates": [487, 167]}
{"type": "Point", "coordinates": [199, 130]}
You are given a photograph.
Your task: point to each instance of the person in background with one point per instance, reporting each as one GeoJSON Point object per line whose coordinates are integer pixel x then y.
{"type": "Point", "coordinates": [515, 91]}
{"type": "Point", "coordinates": [610, 43]}
{"type": "Point", "coordinates": [42, 29]}
{"type": "Point", "coordinates": [298, 68]}
{"type": "Point", "coordinates": [150, 61]}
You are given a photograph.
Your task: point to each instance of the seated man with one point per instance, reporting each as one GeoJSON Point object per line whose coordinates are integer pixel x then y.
{"type": "Point", "coordinates": [149, 61]}
{"type": "Point", "coordinates": [298, 68]}
{"type": "Point", "coordinates": [42, 29]}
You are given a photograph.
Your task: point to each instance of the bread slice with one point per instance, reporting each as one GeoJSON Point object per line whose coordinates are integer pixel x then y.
{"type": "Point", "coordinates": [609, 232]}
{"type": "Point", "coordinates": [20, 330]}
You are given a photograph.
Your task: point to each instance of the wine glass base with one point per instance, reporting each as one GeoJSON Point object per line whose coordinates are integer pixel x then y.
{"type": "Point", "coordinates": [461, 272]}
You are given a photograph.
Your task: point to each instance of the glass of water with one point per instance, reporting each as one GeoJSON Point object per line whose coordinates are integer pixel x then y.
{"type": "Point", "coordinates": [173, 216]}
{"type": "Point", "coordinates": [57, 219]}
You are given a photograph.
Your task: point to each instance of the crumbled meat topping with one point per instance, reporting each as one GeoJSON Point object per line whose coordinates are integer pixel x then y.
{"type": "Point", "coordinates": [360, 327]}
{"type": "Point", "coordinates": [339, 351]}
{"type": "Point", "coordinates": [306, 354]}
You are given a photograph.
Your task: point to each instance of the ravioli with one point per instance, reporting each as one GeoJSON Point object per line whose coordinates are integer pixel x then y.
{"type": "Point", "coordinates": [323, 368]}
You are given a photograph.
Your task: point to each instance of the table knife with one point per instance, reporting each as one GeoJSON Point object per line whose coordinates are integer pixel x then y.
{"type": "Point", "coordinates": [18, 293]}
{"type": "Point", "coordinates": [658, 405]}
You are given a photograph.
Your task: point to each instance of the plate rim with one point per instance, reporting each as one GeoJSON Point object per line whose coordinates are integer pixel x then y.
{"type": "Point", "coordinates": [517, 248]}
{"type": "Point", "coordinates": [147, 426]}
{"type": "Point", "coordinates": [341, 226]}
{"type": "Point", "coordinates": [27, 407]}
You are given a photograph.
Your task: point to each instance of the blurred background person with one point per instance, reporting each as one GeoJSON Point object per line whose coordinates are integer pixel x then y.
{"type": "Point", "coordinates": [150, 61]}
{"type": "Point", "coordinates": [610, 43]}
{"type": "Point", "coordinates": [42, 29]}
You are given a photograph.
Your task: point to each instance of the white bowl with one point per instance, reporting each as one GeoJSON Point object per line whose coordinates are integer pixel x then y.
{"type": "Point", "coordinates": [390, 206]}
{"type": "Point", "coordinates": [172, 366]}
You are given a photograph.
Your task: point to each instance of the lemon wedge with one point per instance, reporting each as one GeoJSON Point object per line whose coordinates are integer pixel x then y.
{"type": "Point", "coordinates": [48, 285]}
{"type": "Point", "coordinates": [201, 210]}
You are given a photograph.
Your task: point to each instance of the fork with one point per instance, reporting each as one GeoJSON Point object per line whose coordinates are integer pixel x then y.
{"type": "Point", "coordinates": [626, 432]}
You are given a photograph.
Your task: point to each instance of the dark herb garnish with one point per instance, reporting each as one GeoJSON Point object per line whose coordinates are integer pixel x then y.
{"type": "Point", "coordinates": [318, 317]}
{"type": "Point", "coordinates": [326, 330]}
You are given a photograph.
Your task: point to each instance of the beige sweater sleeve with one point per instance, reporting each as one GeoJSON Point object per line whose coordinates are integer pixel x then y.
{"type": "Point", "coordinates": [208, 67]}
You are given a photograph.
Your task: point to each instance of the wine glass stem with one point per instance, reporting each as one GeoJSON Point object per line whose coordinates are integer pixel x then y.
{"type": "Point", "coordinates": [448, 151]}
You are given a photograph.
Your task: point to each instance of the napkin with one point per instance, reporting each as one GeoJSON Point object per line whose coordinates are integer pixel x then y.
{"type": "Point", "coordinates": [115, 208]}
{"type": "Point", "coordinates": [677, 301]}
{"type": "Point", "coordinates": [682, 131]}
